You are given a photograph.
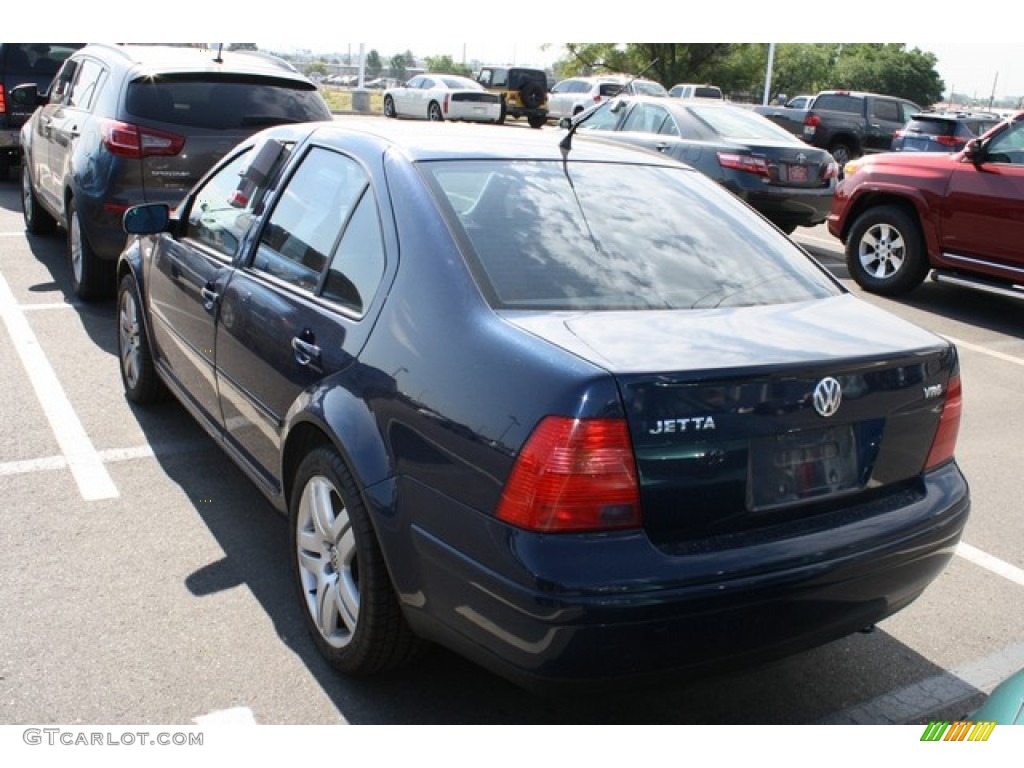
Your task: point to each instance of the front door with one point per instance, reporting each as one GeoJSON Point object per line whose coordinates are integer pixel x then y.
{"type": "Point", "coordinates": [187, 279]}
{"type": "Point", "coordinates": [983, 214]}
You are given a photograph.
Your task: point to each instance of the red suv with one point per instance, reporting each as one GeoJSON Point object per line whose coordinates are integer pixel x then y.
{"type": "Point", "coordinates": [901, 215]}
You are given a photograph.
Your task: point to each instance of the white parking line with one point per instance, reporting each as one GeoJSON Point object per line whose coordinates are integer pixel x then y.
{"type": "Point", "coordinates": [990, 563]}
{"type": "Point", "coordinates": [111, 455]}
{"type": "Point", "coordinates": [94, 482]}
{"type": "Point", "coordinates": [985, 350]}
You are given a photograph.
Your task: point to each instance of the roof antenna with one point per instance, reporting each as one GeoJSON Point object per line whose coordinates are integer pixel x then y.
{"type": "Point", "coordinates": [566, 142]}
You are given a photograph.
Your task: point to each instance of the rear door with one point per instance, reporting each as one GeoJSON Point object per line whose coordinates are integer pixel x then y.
{"type": "Point", "coordinates": [884, 118]}
{"type": "Point", "coordinates": [296, 312]}
{"type": "Point", "coordinates": [66, 122]}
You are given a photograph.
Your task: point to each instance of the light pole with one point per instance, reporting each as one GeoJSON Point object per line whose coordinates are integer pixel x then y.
{"type": "Point", "coordinates": [768, 75]}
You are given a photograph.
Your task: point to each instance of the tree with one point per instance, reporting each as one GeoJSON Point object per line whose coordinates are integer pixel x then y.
{"type": "Point", "coordinates": [373, 64]}
{"type": "Point", "coordinates": [446, 65]}
{"type": "Point", "coordinates": [739, 68]}
{"type": "Point", "coordinates": [398, 65]}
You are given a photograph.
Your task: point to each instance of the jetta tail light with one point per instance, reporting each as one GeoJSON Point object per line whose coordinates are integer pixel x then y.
{"type": "Point", "coordinates": [130, 140]}
{"type": "Point", "coordinates": [3, 100]}
{"type": "Point", "coordinates": [574, 475]}
{"type": "Point", "coordinates": [944, 442]}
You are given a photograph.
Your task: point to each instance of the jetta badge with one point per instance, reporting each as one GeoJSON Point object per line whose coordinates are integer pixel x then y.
{"type": "Point", "coordinates": [827, 397]}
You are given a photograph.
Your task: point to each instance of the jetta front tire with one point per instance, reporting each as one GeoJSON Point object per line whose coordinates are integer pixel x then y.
{"type": "Point", "coordinates": [349, 603]}
{"type": "Point", "coordinates": [138, 374]}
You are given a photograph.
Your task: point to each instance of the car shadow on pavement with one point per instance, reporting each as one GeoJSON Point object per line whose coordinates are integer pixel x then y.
{"type": "Point", "coordinates": [442, 688]}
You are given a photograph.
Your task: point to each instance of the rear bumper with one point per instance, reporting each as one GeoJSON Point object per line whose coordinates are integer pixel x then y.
{"type": "Point", "coordinates": [789, 205]}
{"type": "Point", "coordinates": [557, 610]}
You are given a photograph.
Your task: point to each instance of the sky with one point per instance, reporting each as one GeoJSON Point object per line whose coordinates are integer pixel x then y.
{"type": "Point", "coordinates": [972, 56]}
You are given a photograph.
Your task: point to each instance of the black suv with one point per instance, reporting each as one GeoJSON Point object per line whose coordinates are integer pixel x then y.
{"type": "Point", "coordinates": [128, 124]}
{"type": "Point", "coordinates": [24, 63]}
{"type": "Point", "coordinates": [942, 131]}
{"type": "Point", "coordinates": [524, 92]}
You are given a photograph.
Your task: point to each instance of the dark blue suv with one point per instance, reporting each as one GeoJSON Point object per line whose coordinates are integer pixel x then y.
{"type": "Point", "coordinates": [942, 131]}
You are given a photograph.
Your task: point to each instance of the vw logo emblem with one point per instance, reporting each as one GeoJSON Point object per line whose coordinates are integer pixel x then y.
{"type": "Point", "coordinates": [828, 394]}
{"type": "Point", "coordinates": [801, 158]}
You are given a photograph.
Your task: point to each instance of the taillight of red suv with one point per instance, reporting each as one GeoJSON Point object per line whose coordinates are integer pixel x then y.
{"type": "Point", "coordinates": [136, 141]}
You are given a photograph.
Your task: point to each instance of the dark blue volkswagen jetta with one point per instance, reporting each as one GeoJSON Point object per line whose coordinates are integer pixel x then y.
{"type": "Point", "coordinates": [578, 413]}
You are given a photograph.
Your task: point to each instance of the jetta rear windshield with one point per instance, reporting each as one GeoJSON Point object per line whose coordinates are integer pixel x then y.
{"type": "Point", "coordinates": [205, 102]}
{"type": "Point", "coordinates": [592, 236]}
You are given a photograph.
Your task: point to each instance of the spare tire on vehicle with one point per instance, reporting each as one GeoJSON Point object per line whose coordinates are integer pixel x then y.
{"type": "Point", "coordinates": [532, 94]}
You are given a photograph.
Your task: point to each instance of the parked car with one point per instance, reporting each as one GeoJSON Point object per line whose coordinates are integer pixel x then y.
{"type": "Point", "coordinates": [577, 94]}
{"type": "Point", "coordinates": [24, 63]}
{"type": "Point", "coordinates": [850, 123]}
{"type": "Point", "coordinates": [961, 214]}
{"type": "Point", "coordinates": [523, 90]}
{"type": "Point", "coordinates": [442, 97]}
{"type": "Point", "coordinates": [942, 131]}
{"type": "Point", "coordinates": [575, 414]}
{"type": "Point", "coordinates": [788, 182]}
{"type": "Point", "coordinates": [130, 124]}
{"type": "Point", "coordinates": [695, 91]}
{"type": "Point", "coordinates": [574, 95]}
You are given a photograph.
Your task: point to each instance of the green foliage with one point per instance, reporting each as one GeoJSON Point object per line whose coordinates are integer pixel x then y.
{"type": "Point", "coordinates": [398, 65]}
{"type": "Point", "coordinates": [373, 64]}
{"type": "Point", "coordinates": [739, 69]}
{"type": "Point", "coordinates": [317, 67]}
{"type": "Point", "coordinates": [446, 65]}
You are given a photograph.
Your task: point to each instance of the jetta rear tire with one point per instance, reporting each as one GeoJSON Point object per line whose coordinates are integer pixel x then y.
{"type": "Point", "coordinates": [885, 252]}
{"type": "Point", "coordinates": [349, 603]}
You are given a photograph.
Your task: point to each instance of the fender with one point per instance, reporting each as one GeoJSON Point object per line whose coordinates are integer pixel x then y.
{"type": "Point", "coordinates": [880, 192]}
{"type": "Point", "coordinates": [331, 412]}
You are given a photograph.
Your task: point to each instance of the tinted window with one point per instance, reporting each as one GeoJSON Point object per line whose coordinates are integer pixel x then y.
{"type": "Point", "coordinates": [588, 237]}
{"type": "Point", "coordinates": [839, 102]}
{"type": "Point", "coordinates": [611, 89]}
{"type": "Point", "coordinates": [220, 104]}
{"type": "Point", "coordinates": [932, 127]}
{"type": "Point", "coordinates": [306, 221]}
{"type": "Point", "coordinates": [358, 264]}
{"type": "Point", "coordinates": [61, 84]}
{"type": "Point", "coordinates": [887, 110]}
{"type": "Point", "coordinates": [87, 83]}
{"type": "Point", "coordinates": [37, 58]}
{"type": "Point", "coordinates": [741, 124]}
{"type": "Point", "coordinates": [219, 217]}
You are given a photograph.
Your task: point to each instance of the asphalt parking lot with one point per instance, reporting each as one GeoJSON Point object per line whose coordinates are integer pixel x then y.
{"type": "Point", "coordinates": [144, 579]}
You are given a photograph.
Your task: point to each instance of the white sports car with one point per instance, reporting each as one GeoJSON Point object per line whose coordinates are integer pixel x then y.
{"type": "Point", "coordinates": [443, 97]}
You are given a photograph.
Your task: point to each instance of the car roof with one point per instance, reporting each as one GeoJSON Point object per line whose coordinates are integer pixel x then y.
{"type": "Point", "coordinates": [469, 141]}
{"type": "Point", "coordinates": [159, 59]}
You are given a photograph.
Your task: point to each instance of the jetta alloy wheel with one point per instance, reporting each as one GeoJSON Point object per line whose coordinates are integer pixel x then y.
{"type": "Point", "coordinates": [328, 562]}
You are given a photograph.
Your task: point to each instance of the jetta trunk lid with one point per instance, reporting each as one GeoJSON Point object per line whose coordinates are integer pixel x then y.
{"type": "Point", "coordinates": [748, 417]}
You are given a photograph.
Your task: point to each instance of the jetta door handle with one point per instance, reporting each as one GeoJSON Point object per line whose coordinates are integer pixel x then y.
{"type": "Point", "coordinates": [306, 353]}
{"type": "Point", "coordinates": [210, 297]}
